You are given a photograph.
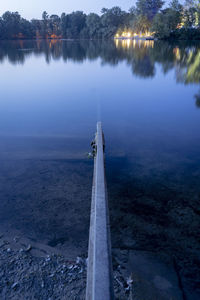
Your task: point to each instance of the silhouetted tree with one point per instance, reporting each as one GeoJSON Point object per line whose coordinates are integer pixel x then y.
{"type": "Point", "coordinates": [167, 21]}
{"type": "Point", "coordinates": [175, 21]}
{"type": "Point", "coordinates": [149, 8]}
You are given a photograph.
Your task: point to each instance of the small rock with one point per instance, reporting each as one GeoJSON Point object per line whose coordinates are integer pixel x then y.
{"type": "Point", "coordinates": [129, 281]}
{"type": "Point", "coordinates": [79, 260]}
{"type": "Point", "coordinates": [71, 267]}
{"type": "Point", "coordinates": [119, 282]}
{"type": "Point", "coordinates": [28, 248]}
{"type": "Point", "coordinates": [118, 267]}
{"type": "Point", "coordinates": [48, 258]}
{"type": "Point", "coordinates": [14, 285]}
{"type": "Point", "coordinates": [89, 155]}
{"type": "Point", "coordinates": [16, 239]}
{"type": "Point", "coordinates": [8, 250]}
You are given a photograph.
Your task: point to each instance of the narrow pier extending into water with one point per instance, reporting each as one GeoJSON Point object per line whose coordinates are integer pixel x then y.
{"type": "Point", "coordinates": [99, 269]}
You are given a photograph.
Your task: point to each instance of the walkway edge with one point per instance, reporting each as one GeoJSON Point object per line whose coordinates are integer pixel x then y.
{"type": "Point", "coordinates": [99, 269]}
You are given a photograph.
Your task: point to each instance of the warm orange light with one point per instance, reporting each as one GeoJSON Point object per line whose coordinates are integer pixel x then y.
{"type": "Point", "coordinates": [176, 51]}
{"type": "Point", "coordinates": [130, 35]}
{"type": "Point", "coordinates": [127, 44]}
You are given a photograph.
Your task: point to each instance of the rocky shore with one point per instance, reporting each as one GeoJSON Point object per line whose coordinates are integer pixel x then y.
{"type": "Point", "coordinates": [24, 275]}
{"type": "Point", "coordinates": [32, 272]}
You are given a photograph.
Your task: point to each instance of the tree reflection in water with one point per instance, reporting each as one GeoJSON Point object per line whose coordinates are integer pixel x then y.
{"type": "Point", "coordinates": [141, 55]}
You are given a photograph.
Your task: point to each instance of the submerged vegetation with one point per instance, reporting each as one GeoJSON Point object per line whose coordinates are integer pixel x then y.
{"type": "Point", "coordinates": [147, 17]}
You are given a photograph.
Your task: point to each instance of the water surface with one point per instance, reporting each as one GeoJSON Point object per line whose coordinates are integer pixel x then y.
{"type": "Point", "coordinates": [147, 95]}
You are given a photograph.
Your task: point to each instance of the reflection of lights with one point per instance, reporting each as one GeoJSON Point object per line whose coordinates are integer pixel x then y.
{"type": "Point", "coordinates": [117, 43]}
{"type": "Point", "coordinates": [176, 51]}
{"type": "Point", "coordinates": [193, 67]}
{"type": "Point", "coordinates": [21, 44]}
{"type": "Point", "coordinates": [128, 44]}
{"type": "Point", "coordinates": [151, 44]}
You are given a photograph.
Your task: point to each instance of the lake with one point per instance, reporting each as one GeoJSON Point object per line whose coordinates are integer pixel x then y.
{"type": "Point", "coordinates": [147, 95]}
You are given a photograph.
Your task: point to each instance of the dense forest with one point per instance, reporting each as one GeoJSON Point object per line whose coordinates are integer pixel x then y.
{"type": "Point", "coordinates": [175, 21]}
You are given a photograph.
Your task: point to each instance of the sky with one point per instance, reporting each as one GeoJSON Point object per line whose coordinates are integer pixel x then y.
{"type": "Point", "coordinates": [30, 9]}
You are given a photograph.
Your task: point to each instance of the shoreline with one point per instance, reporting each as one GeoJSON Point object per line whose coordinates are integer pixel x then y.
{"type": "Point", "coordinates": [32, 273]}
{"type": "Point", "coordinates": [36, 271]}
{"type": "Point", "coordinates": [103, 39]}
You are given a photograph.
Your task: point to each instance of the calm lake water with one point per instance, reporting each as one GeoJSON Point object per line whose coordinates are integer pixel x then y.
{"type": "Point", "coordinates": [147, 95]}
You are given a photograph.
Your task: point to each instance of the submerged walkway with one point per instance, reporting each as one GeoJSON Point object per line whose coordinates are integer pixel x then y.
{"type": "Point", "coordinates": [99, 271]}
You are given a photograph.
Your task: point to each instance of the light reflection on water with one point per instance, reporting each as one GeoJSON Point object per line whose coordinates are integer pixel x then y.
{"type": "Point", "coordinates": [148, 96]}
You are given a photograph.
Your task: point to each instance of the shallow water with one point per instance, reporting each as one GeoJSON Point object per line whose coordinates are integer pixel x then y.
{"type": "Point", "coordinates": [147, 96]}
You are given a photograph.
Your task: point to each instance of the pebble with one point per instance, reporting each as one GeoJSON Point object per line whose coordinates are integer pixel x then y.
{"type": "Point", "coordinates": [79, 260]}
{"type": "Point", "coordinates": [129, 281]}
{"type": "Point", "coordinates": [16, 239]}
{"type": "Point", "coordinates": [42, 284]}
{"type": "Point", "coordinates": [28, 248]}
{"type": "Point", "coordinates": [48, 258]}
{"type": "Point", "coordinates": [51, 277]}
{"type": "Point", "coordinates": [14, 285]}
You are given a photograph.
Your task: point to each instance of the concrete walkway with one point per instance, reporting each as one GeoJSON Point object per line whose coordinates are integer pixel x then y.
{"type": "Point", "coordinates": [99, 273]}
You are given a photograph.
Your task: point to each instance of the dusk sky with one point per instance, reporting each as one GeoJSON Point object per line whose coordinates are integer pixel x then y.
{"type": "Point", "coordinates": [34, 8]}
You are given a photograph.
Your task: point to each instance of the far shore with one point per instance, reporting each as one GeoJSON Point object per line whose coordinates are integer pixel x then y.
{"type": "Point", "coordinates": [95, 39]}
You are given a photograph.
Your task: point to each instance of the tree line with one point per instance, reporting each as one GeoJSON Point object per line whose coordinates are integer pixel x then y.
{"type": "Point", "coordinates": [174, 21]}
